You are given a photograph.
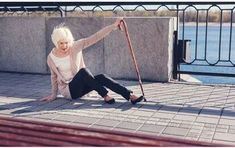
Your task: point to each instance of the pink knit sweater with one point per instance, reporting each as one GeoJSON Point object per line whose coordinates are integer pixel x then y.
{"type": "Point", "coordinates": [58, 83]}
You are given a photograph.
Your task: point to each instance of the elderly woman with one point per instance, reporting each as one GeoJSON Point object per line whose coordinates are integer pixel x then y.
{"type": "Point", "coordinates": [69, 75]}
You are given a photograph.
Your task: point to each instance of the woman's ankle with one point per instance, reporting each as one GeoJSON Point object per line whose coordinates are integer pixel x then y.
{"type": "Point", "coordinates": [107, 97]}
{"type": "Point", "coordinates": [133, 97]}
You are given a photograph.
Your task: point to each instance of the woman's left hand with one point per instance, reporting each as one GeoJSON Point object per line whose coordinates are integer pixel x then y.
{"type": "Point", "coordinates": [48, 98]}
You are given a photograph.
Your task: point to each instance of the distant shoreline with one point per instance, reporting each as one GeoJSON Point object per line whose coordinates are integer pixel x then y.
{"type": "Point", "coordinates": [204, 24]}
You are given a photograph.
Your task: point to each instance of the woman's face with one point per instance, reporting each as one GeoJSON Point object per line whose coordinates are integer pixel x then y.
{"type": "Point", "coordinates": [63, 45]}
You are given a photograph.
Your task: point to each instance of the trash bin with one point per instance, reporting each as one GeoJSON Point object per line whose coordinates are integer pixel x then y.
{"type": "Point", "coordinates": [184, 51]}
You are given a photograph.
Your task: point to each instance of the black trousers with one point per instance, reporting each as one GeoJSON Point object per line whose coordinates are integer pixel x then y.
{"type": "Point", "coordinates": [84, 82]}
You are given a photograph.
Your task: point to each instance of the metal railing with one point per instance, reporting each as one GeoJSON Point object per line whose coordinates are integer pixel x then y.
{"type": "Point", "coordinates": [211, 44]}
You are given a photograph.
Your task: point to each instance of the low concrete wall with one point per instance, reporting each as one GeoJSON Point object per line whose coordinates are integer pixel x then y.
{"type": "Point", "coordinates": [25, 43]}
{"type": "Point", "coordinates": [152, 40]}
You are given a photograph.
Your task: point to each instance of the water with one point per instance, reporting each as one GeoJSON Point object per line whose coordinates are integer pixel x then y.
{"type": "Point", "coordinates": [210, 52]}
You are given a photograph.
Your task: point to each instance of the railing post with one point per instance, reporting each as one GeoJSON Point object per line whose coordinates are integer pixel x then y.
{"type": "Point", "coordinates": [175, 55]}
{"type": "Point", "coordinates": [175, 47]}
{"type": "Point", "coordinates": [62, 13]}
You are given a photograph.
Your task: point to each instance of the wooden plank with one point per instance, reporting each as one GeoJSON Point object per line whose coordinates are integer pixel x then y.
{"type": "Point", "coordinates": [53, 134]}
{"type": "Point", "coordinates": [34, 140]}
{"type": "Point", "coordinates": [78, 140]}
{"type": "Point", "coordinates": [11, 142]}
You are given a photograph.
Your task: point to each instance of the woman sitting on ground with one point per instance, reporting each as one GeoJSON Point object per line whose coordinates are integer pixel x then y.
{"type": "Point", "coordinates": [69, 75]}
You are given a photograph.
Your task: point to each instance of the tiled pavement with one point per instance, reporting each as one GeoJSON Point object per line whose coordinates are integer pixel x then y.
{"type": "Point", "coordinates": [186, 111]}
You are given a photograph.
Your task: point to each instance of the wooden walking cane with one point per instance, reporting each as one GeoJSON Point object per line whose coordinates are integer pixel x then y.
{"type": "Point", "coordinates": [133, 55]}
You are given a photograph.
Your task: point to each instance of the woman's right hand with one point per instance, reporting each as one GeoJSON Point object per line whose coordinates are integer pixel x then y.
{"type": "Point", "coordinates": [48, 98]}
{"type": "Point", "coordinates": [118, 23]}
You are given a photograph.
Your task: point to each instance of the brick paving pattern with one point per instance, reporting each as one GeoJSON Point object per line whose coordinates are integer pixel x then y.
{"type": "Point", "coordinates": [182, 110]}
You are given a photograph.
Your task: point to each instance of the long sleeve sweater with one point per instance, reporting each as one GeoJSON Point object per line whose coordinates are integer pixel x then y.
{"type": "Point", "coordinates": [58, 83]}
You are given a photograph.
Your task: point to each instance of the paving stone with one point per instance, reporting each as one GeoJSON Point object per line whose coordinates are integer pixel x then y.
{"type": "Point", "coordinates": [170, 108]}
{"type": "Point", "coordinates": [31, 118]}
{"type": "Point", "coordinates": [207, 119]}
{"type": "Point", "coordinates": [5, 111]}
{"type": "Point", "coordinates": [49, 116]}
{"type": "Point", "coordinates": [117, 115]}
{"type": "Point", "coordinates": [147, 133]}
{"type": "Point", "coordinates": [129, 119]}
{"type": "Point", "coordinates": [59, 122]}
{"type": "Point", "coordinates": [163, 115]}
{"type": "Point", "coordinates": [124, 129]}
{"type": "Point", "coordinates": [33, 105]}
{"type": "Point", "coordinates": [85, 120]}
{"type": "Point", "coordinates": [105, 109]}
{"type": "Point", "coordinates": [224, 137]}
{"type": "Point", "coordinates": [163, 123]}
{"type": "Point", "coordinates": [151, 122]}
{"type": "Point", "coordinates": [127, 106]}
{"type": "Point", "coordinates": [152, 128]}
{"type": "Point", "coordinates": [78, 124]}
{"type": "Point", "coordinates": [114, 118]}
{"type": "Point", "coordinates": [221, 130]}
{"type": "Point", "coordinates": [106, 122]}
{"type": "Point", "coordinates": [227, 121]}
{"type": "Point", "coordinates": [207, 134]}
{"type": "Point", "coordinates": [174, 124]}
{"type": "Point", "coordinates": [150, 107]}
{"type": "Point", "coordinates": [73, 112]}
{"type": "Point", "coordinates": [51, 105]}
{"type": "Point", "coordinates": [205, 140]}
{"type": "Point", "coordinates": [154, 119]}
{"type": "Point", "coordinates": [210, 112]}
{"type": "Point", "coordinates": [231, 130]}
{"type": "Point", "coordinates": [20, 111]}
{"type": "Point", "coordinates": [227, 143]}
{"type": "Point", "coordinates": [143, 118]}
{"type": "Point", "coordinates": [198, 131]}
{"type": "Point", "coordinates": [186, 126]}
{"type": "Point", "coordinates": [228, 114]}
{"type": "Point", "coordinates": [209, 125]}
{"type": "Point", "coordinates": [13, 105]}
{"type": "Point", "coordinates": [171, 136]}
{"type": "Point", "coordinates": [184, 117]}
{"type": "Point", "coordinates": [143, 113]}
{"type": "Point", "coordinates": [194, 135]}
{"type": "Point", "coordinates": [128, 125]}
{"type": "Point", "coordinates": [190, 110]}
{"type": "Point", "coordinates": [70, 105]}
{"type": "Point", "coordinates": [67, 118]}
{"type": "Point", "coordinates": [139, 121]}
{"type": "Point", "coordinates": [191, 138]}
{"type": "Point", "coordinates": [124, 111]}
{"type": "Point", "coordinates": [200, 124]}
{"type": "Point", "coordinates": [100, 127]}
{"type": "Point", "coordinates": [164, 120]}
{"type": "Point", "coordinates": [175, 131]}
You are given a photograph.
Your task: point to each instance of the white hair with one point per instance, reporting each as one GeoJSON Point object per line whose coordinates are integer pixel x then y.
{"type": "Point", "coordinates": [62, 32]}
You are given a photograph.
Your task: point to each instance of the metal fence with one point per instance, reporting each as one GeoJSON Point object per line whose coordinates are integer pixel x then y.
{"type": "Point", "coordinates": [203, 40]}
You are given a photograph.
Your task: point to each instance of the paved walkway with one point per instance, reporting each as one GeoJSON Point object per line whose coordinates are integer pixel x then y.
{"type": "Point", "coordinates": [186, 111]}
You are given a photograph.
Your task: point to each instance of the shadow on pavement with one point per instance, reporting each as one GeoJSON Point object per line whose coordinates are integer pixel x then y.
{"type": "Point", "coordinates": [31, 106]}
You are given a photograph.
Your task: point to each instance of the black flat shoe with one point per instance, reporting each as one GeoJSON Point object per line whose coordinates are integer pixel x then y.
{"type": "Point", "coordinates": [131, 92]}
{"type": "Point", "coordinates": [137, 100]}
{"type": "Point", "coordinates": [111, 101]}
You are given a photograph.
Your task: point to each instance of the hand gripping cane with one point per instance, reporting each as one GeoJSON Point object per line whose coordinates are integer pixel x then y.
{"type": "Point", "coordinates": [132, 55]}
